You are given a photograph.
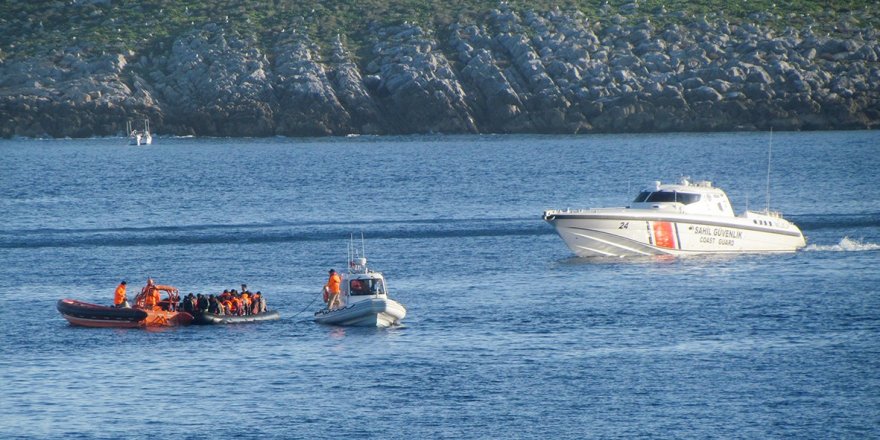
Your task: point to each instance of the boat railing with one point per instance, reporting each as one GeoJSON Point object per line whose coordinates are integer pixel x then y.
{"type": "Point", "coordinates": [677, 206]}
{"type": "Point", "coordinates": [765, 213]}
{"type": "Point", "coordinates": [551, 212]}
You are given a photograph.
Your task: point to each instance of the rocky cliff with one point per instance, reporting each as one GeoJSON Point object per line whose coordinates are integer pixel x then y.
{"type": "Point", "coordinates": [511, 72]}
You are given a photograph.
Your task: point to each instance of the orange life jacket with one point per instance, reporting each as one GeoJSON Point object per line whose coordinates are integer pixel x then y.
{"type": "Point", "coordinates": [151, 296]}
{"type": "Point", "coordinates": [119, 295]}
{"type": "Point", "coordinates": [333, 283]}
{"type": "Point", "coordinates": [255, 303]}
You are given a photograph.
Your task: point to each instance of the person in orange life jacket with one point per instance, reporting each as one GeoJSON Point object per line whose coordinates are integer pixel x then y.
{"type": "Point", "coordinates": [236, 305]}
{"type": "Point", "coordinates": [259, 303]}
{"type": "Point", "coordinates": [246, 303]}
{"type": "Point", "coordinates": [119, 298]}
{"type": "Point", "coordinates": [151, 295]}
{"type": "Point", "coordinates": [332, 289]}
{"type": "Point", "coordinates": [255, 303]}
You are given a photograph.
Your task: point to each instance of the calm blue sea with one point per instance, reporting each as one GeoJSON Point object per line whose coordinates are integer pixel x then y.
{"type": "Point", "coordinates": [508, 335]}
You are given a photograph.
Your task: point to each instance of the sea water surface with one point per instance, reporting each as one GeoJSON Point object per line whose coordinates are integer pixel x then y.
{"type": "Point", "coordinates": [508, 335]}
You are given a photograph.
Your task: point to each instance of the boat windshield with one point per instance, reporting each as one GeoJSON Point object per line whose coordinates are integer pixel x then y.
{"type": "Point", "coordinates": [642, 196]}
{"type": "Point", "coordinates": [667, 196]}
{"type": "Point", "coordinates": [370, 286]}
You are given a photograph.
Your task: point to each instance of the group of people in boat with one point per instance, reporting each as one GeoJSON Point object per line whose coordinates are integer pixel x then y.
{"type": "Point", "coordinates": [149, 298]}
{"type": "Point", "coordinates": [230, 302]}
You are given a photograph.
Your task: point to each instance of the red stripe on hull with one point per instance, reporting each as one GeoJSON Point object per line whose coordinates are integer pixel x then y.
{"type": "Point", "coordinates": [663, 235]}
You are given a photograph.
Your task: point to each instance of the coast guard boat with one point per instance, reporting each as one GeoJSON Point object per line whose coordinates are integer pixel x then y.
{"type": "Point", "coordinates": [364, 297]}
{"type": "Point", "coordinates": [676, 219]}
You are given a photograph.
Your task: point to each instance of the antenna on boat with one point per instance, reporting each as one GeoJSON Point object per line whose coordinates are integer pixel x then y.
{"type": "Point", "coordinates": [350, 258]}
{"type": "Point", "coordinates": [769, 157]}
{"type": "Point", "coordinates": [353, 253]}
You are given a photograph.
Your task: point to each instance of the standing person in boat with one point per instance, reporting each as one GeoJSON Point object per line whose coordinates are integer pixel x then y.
{"type": "Point", "coordinates": [187, 305]}
{"type": "Point", "coordinates": [236, 305]}
{"type": "Point", "coordinates": [332, 289]}
{"type": "Point", "coordinates": [214, 305]}
{"type": "Point", "coordinates": [259, 303]}
{"type": "Point", "coordinates": [172, 301]}
{"type": "Point", "coordinates": [227, 306]}
{"type": "Point", "coordinates": [150, 295]}
{"type": "Point", "coordinates": [201, 303]}
{"type": "Point", "coordinates": [245, 303]}
{"type": "Point", "coordinates": [120, 301]}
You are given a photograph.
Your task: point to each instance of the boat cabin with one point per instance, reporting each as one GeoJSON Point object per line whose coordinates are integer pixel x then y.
{"type": "Point", "coordinates": [362, 283]}
{"type": "Point", "coordinates": [685, 197]}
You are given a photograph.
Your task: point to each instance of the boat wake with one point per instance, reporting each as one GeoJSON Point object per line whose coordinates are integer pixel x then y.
{"type": "Point", "coordinates": [810, 222]}
{"type": "Point", "coordinates": [277, 232]}
{"type": "Point", "coordinates": [846, 244]}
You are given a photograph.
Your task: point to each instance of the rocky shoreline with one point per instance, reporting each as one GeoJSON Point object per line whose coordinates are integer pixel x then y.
{"type": "Point", "coordinates": [515, 72]}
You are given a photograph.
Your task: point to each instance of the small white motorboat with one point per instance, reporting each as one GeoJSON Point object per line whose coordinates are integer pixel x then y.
{"type": "Point", "coordinates": [140, 137]}
{"type": "Point", "coordinates": [364, 298]}
{"type": "Point", "coordinates": [683, 219]}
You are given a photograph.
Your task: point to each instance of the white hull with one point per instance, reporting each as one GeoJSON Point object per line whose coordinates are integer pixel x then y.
{"type": "Point", "coordinates": [139, 140]}
{"type": "Point", "coordinates": [635, 232]}
{"type": "Point", "coordinates": [374, 312]}
{"type": "Point", "coordinates": [139, 137]}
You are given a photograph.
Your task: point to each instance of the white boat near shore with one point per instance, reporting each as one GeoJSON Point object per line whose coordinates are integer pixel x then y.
{"type": "Point", "coordinates": [364, 297]}
{"type": "Point", "coordinates": [674, 219]}
{"type": "Point", "coordinates": [140, 137]}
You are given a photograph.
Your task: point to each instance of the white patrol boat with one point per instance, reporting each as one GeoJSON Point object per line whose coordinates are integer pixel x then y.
{"type": "Point", "coordinates": [364, 297]}
{"type": "Point", "coordinates": [683, 219]}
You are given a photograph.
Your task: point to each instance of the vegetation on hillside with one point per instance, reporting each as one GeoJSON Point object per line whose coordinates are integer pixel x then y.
{"type": "Point", "coordinates": [35, 27]}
